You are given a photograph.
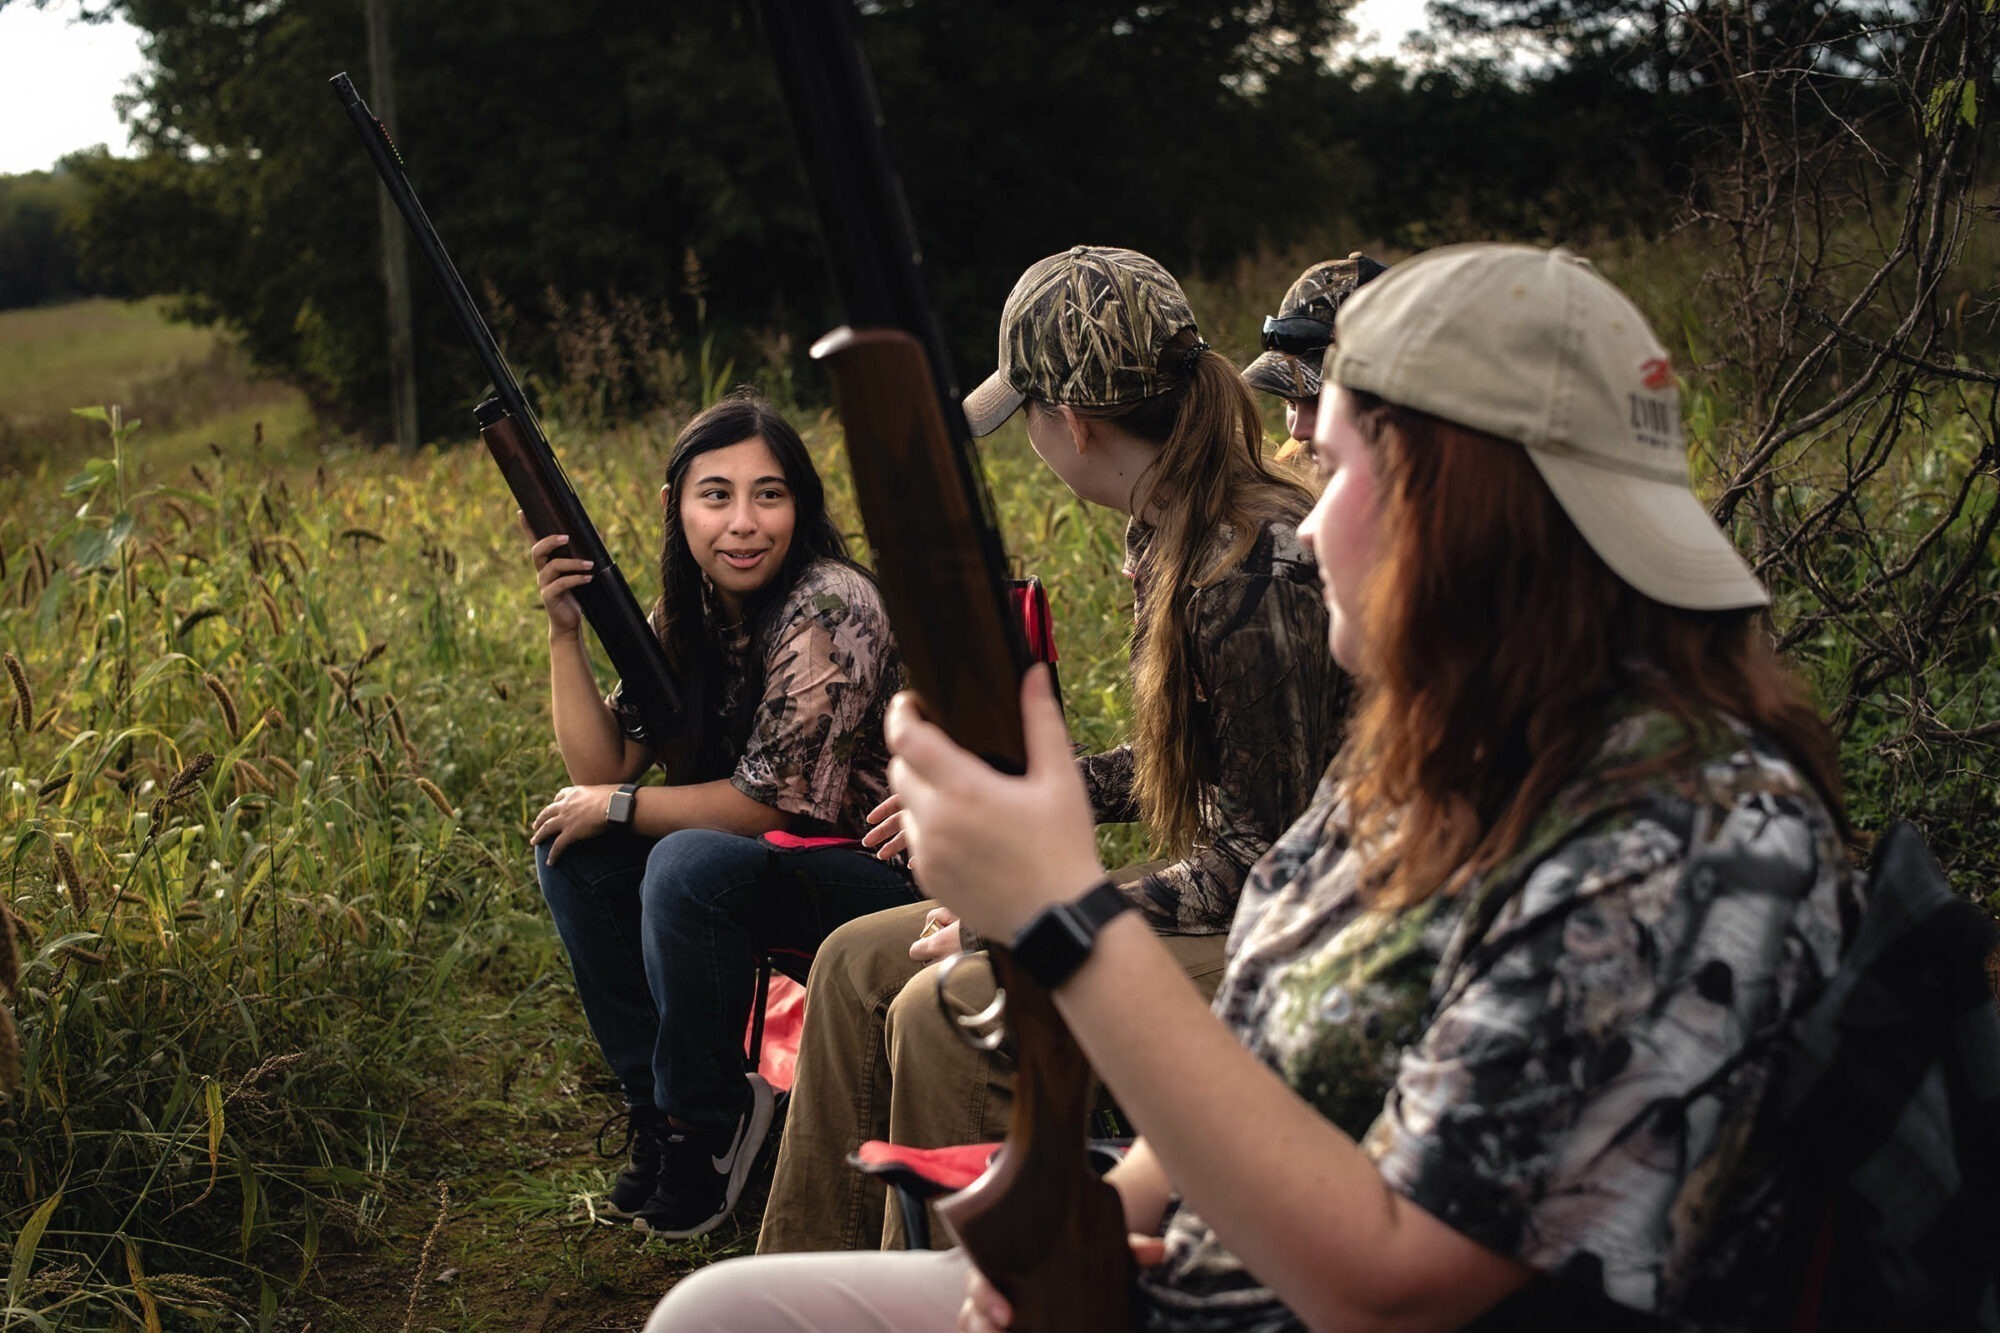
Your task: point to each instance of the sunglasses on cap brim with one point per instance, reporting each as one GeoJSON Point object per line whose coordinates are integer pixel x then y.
{"type": "Point", "coordinates": [1296, 335]}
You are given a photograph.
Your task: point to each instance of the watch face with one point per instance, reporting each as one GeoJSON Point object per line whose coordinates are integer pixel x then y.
{"type": "Point", "coordinates": [1054, 945]}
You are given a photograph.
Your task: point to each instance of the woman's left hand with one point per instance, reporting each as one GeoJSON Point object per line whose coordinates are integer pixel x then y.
{"type": "Point", "coordinates": [996, 849]}
{"type": "Point", "coordinates": [575, 813]}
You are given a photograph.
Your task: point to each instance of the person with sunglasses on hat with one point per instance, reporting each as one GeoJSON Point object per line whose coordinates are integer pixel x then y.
{"type": "Point", "coordinates": [1237, 707]}
{"type": "Point", "coordinates": [1501, 1036]}
{"type": "Point", "coordinates": [1296, 339]}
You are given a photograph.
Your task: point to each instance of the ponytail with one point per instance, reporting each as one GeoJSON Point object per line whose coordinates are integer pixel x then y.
{"type": "Point", "coordinates": [1210, 473]}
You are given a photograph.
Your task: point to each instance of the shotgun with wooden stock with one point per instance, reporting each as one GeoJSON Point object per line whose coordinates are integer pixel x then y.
{"type": "Point", "coordinates": [1039, 1223]}
{"type": "Point", "coordinates": [533, 472]}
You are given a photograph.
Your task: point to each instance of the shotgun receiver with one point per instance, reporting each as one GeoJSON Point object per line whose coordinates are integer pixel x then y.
{"type": "Point", "coordinates": [533, 473]}
{"type": "Point", "coordinates": [1039, 1223]}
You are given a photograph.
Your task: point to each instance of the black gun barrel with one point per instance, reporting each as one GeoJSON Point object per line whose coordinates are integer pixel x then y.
{"type": "Point", "coordinates": [533, 472]}
{"type": "Point", "coordinates": [388, 162]}
{"type": "Point", "coordinates": [871, 243]}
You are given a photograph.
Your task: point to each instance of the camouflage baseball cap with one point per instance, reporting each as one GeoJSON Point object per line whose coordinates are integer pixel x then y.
{"type": "Point", "coordinates": [1291, 365]}
{"type": "Point", "coordinates": [1084, 328]}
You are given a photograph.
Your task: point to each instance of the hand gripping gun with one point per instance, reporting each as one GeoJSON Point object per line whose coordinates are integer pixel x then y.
{"type": "Point", "coordinates": [1039, 1223]}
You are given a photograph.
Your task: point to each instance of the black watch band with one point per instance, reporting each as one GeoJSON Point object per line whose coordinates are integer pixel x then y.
{"type": "Point", "coordinates": [1055, 944]}
{"type": "Point", "coordinates": [619, 811]}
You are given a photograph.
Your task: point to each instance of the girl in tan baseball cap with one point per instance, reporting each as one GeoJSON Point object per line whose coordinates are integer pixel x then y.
{"type": "Point", "coordinates": [1500, 1037]}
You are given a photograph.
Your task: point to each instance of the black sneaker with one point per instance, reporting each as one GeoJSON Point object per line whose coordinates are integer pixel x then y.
{"type": "Point", "coordinates": [646, 1131]}
{"type": "Point", "coordinates": [702, 1172]}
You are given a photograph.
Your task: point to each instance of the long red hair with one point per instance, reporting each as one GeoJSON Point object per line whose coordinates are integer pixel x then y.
{"type": "Point", "coordinates": [1496, 641]}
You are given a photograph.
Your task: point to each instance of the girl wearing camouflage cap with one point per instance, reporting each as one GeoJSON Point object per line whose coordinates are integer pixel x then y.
{"type": "Point", "coordinates": [1296, 339]}
{"type": "Point", "coordinates": [1500, 1036]}
{"type": "Point", "coordinates": [1237, 710]}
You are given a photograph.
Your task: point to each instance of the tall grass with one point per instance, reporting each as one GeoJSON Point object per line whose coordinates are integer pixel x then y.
{"type": "Point", "coordinates": [278, 736]}
{"type": "Point", "coordinates": [263, 807]}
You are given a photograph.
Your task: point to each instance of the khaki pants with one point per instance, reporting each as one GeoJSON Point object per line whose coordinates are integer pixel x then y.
{"type": "Point", "coordinates": [878, 1061]}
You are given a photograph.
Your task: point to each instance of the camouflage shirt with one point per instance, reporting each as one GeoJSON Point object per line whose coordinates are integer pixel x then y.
{"type": "Point", "coordinates": [1269, 701]}
{"type": "Point", "coordinates": [1570, 1061]}
{"type": "Point", "coordinates": [815, 749]}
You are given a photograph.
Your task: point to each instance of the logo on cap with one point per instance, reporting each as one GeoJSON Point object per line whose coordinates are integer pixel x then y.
{"type": "Point", "coordinates": [1658, 372]}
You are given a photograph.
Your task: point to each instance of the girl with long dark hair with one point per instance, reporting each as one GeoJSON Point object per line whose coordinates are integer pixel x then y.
{"type": "Point", "coordinates": [1506, 1011]}
{"type": "Point", "coordinates": [662, 893]}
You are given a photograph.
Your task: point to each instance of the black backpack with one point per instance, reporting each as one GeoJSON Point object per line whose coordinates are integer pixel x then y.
{"type": "Point", "coordinates": [1893, 1084]}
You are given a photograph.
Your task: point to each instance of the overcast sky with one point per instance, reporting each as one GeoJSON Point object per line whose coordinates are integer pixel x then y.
{"type": "Point", "coordinates": [58, 76]}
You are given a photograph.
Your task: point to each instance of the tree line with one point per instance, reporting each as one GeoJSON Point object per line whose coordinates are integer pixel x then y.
{"type": "Point", "coordinates": [620, 188]}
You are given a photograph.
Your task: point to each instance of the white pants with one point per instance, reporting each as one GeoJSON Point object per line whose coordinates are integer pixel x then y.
{"type": "Point", "coordinates": [879, 1291]}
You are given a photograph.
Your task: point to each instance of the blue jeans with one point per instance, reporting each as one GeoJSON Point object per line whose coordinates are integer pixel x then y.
{"type": "Point", "coordinates": [661, 935]}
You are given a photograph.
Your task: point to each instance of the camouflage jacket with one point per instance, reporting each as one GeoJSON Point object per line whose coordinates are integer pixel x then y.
{"type": "Point", "coordinates": [1270, 701]}
{"type": "Point", "coordinates": [815, 749]}
{"type": "Point", "coordinates": [1572, 1061]}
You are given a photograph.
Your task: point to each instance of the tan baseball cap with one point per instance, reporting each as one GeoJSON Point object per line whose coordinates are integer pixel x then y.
{"type": "Point", "coordinates": [1536, 346]}
{"type": "Point", "coordinates": [1084, 328]}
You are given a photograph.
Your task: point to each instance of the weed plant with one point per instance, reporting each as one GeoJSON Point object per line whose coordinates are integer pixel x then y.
{"type": "Point", "coordinates": [274, 742]}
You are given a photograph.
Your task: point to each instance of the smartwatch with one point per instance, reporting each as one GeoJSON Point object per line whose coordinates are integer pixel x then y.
{"type": "Point", "coordinates": [619, 811]}
{"type": "Point", "coordinates": [1055, 944]}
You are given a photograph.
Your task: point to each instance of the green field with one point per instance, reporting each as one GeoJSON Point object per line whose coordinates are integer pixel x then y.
{"type": "Point", "coordinates": [52, 359]}
{"type": "Point", "coordinates": [182, 381]}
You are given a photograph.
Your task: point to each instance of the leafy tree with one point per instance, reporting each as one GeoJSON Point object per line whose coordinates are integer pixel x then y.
{"type": "Point", "coordinates": [37, 258]}
{"type": "Point", "coordinates": [576, 156]}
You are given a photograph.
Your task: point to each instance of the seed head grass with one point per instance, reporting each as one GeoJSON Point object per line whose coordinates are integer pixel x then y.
{"type": "Point", "coordinates": [436, 797]}
{"type": "Point", "coordinates": [424, 1256]}
{"type": "Point", "coordinates": [10, 957]}
{"type": "Point", "coordinates": [24, 698]}
{"type": "Point", "coordinates": [227, 703]}
{"type": "Point", "coordinates": [72, 878]}
{"type": "Point", "coordinates": [10, 1053]}
{"type": "Point", "coordinates": [185, 780]}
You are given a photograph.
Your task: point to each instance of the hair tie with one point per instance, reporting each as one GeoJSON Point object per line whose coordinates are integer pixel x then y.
{"type": "Point", "coordinates": [1192, 358]}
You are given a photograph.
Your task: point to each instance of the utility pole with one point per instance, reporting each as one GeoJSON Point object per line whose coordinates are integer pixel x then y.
{"type": "Point", "coordinates": [395, 256]}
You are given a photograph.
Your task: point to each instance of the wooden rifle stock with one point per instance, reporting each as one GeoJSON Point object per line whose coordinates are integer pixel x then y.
{"type": "Point", "coordinates": [515, 456]}
{"type": "Point", "coordinates": [1051, 1237]}
{"type": "Point", "coordinates": [1039, 1223]}
{"type": "Point", "coordinates": [963, 662]}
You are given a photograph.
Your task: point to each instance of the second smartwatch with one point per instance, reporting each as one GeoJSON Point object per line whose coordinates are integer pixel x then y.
{"type": "Point", "coordinates": [619, 811]}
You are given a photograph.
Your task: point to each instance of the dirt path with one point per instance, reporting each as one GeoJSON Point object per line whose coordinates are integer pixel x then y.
{"type": "Point", "coordinates": [516, 1248]}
